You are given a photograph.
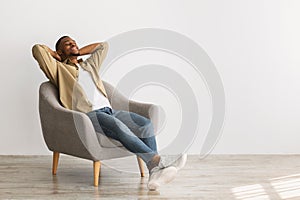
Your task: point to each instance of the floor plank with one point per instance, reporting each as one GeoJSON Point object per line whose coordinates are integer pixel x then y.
{"type": "Point", "coordinates": [223, 177]}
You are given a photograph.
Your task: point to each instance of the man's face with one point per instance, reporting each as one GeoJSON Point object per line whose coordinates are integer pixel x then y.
{"type": "Point", "coordinates": [68, 48]}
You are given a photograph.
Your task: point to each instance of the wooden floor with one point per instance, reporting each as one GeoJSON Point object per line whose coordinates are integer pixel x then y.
{"type": "Point", "coordinates": [243, 177]}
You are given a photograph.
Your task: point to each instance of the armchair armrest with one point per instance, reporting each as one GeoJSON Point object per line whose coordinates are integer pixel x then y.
{"type": "Point", "coordinates": [120, 102]}
{"type": "Point", "coordinates": [151, 111]}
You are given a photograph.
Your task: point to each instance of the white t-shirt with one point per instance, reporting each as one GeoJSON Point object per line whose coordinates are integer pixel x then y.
{"type": "Point", "coordinates": [94, 95]}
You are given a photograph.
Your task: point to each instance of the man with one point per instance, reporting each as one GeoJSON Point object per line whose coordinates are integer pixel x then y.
{"type": "Point", "coordinates": [80, 88]}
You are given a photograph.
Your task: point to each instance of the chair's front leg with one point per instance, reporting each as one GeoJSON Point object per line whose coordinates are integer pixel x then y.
{"type": "Point", "coordinates": [55, 162]}
{"type": "Point", "coordinates": [97, 166]}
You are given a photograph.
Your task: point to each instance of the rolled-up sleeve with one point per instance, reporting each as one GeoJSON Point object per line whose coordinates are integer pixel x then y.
{"type": "Point", "coordinates": [46, 62]}
{"type": "Point", "coordinates": [98, 55]}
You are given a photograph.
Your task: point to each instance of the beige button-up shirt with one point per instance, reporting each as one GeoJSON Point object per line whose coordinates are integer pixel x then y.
{"type": "Point", "coordinates": [64, 75]}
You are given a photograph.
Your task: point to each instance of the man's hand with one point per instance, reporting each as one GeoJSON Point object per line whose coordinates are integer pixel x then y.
{"type": "Point", "coordinates": [54, 54]}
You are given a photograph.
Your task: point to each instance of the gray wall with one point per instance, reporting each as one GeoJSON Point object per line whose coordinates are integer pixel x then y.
{"type": "Point", "coordinates": [253, 43]}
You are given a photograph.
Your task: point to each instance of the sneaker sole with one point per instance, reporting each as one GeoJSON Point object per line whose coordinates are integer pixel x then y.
{"type": "Point", "coordinates": [167, 175]}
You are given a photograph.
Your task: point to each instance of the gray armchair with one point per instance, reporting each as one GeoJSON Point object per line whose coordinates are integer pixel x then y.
{"type": "Point", "coordinates": [71, 132]}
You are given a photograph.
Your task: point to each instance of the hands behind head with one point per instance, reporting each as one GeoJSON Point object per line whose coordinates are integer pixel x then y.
{"type": "Point", "coordinates": [56, 56]}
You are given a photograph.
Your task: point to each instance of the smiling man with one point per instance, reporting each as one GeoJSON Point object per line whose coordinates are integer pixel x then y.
{"type": "Point", "coordinates": [69, 74]}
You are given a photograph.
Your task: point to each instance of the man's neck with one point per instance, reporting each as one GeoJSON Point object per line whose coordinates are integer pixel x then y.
{"type": "Point", "coordinates": [73, 59]}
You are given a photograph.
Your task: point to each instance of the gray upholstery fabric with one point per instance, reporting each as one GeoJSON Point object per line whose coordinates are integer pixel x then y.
{"type": "Point", "coordinates": [71, 132]}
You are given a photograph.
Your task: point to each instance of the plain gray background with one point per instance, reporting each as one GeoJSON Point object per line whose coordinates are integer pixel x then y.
{"type": "Point", "coordinates": [253, 43]}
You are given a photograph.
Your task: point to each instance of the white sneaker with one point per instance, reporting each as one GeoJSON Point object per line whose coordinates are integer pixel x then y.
{"type": "Point", "coordinates": [177, 161]}
{"type": "Point", "coordinates": [160, 176]}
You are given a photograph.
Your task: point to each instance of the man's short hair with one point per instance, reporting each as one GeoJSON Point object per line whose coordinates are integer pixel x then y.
{"type": "Point", "coordinates": [59, 41]}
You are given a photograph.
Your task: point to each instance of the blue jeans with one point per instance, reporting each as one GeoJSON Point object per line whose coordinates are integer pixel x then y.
{"type": "Point", "coordinates": [134, 131]}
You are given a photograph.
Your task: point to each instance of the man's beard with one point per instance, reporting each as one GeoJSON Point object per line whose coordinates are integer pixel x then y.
{"type": "Point", "coordinates": [75, 54]}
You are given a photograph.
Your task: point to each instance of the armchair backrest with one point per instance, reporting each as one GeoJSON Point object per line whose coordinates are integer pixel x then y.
{"type": "Point", "coordinates": [49, 91]}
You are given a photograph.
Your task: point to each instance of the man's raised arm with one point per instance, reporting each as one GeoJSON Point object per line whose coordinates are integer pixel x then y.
{"type": "Point", "coordinates": [47, 60]}
{"type": "Point", "coordinates": [98, 53]}
{"type": "Point", "coordinates": [88, 49]}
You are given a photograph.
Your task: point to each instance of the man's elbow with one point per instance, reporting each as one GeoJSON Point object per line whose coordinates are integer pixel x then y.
{"type": "Point", "coordinates": [36, 49]}
{"type": "Point", "coordinates": [105, 45]}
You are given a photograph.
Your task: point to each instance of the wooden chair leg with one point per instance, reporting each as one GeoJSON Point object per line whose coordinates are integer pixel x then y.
{"type": "Point", "coordinates": [97, 166]}
{"type": "Point", "coordinates": [141, 166]}
{"type": "Point", "coordinates": [55, 162]}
